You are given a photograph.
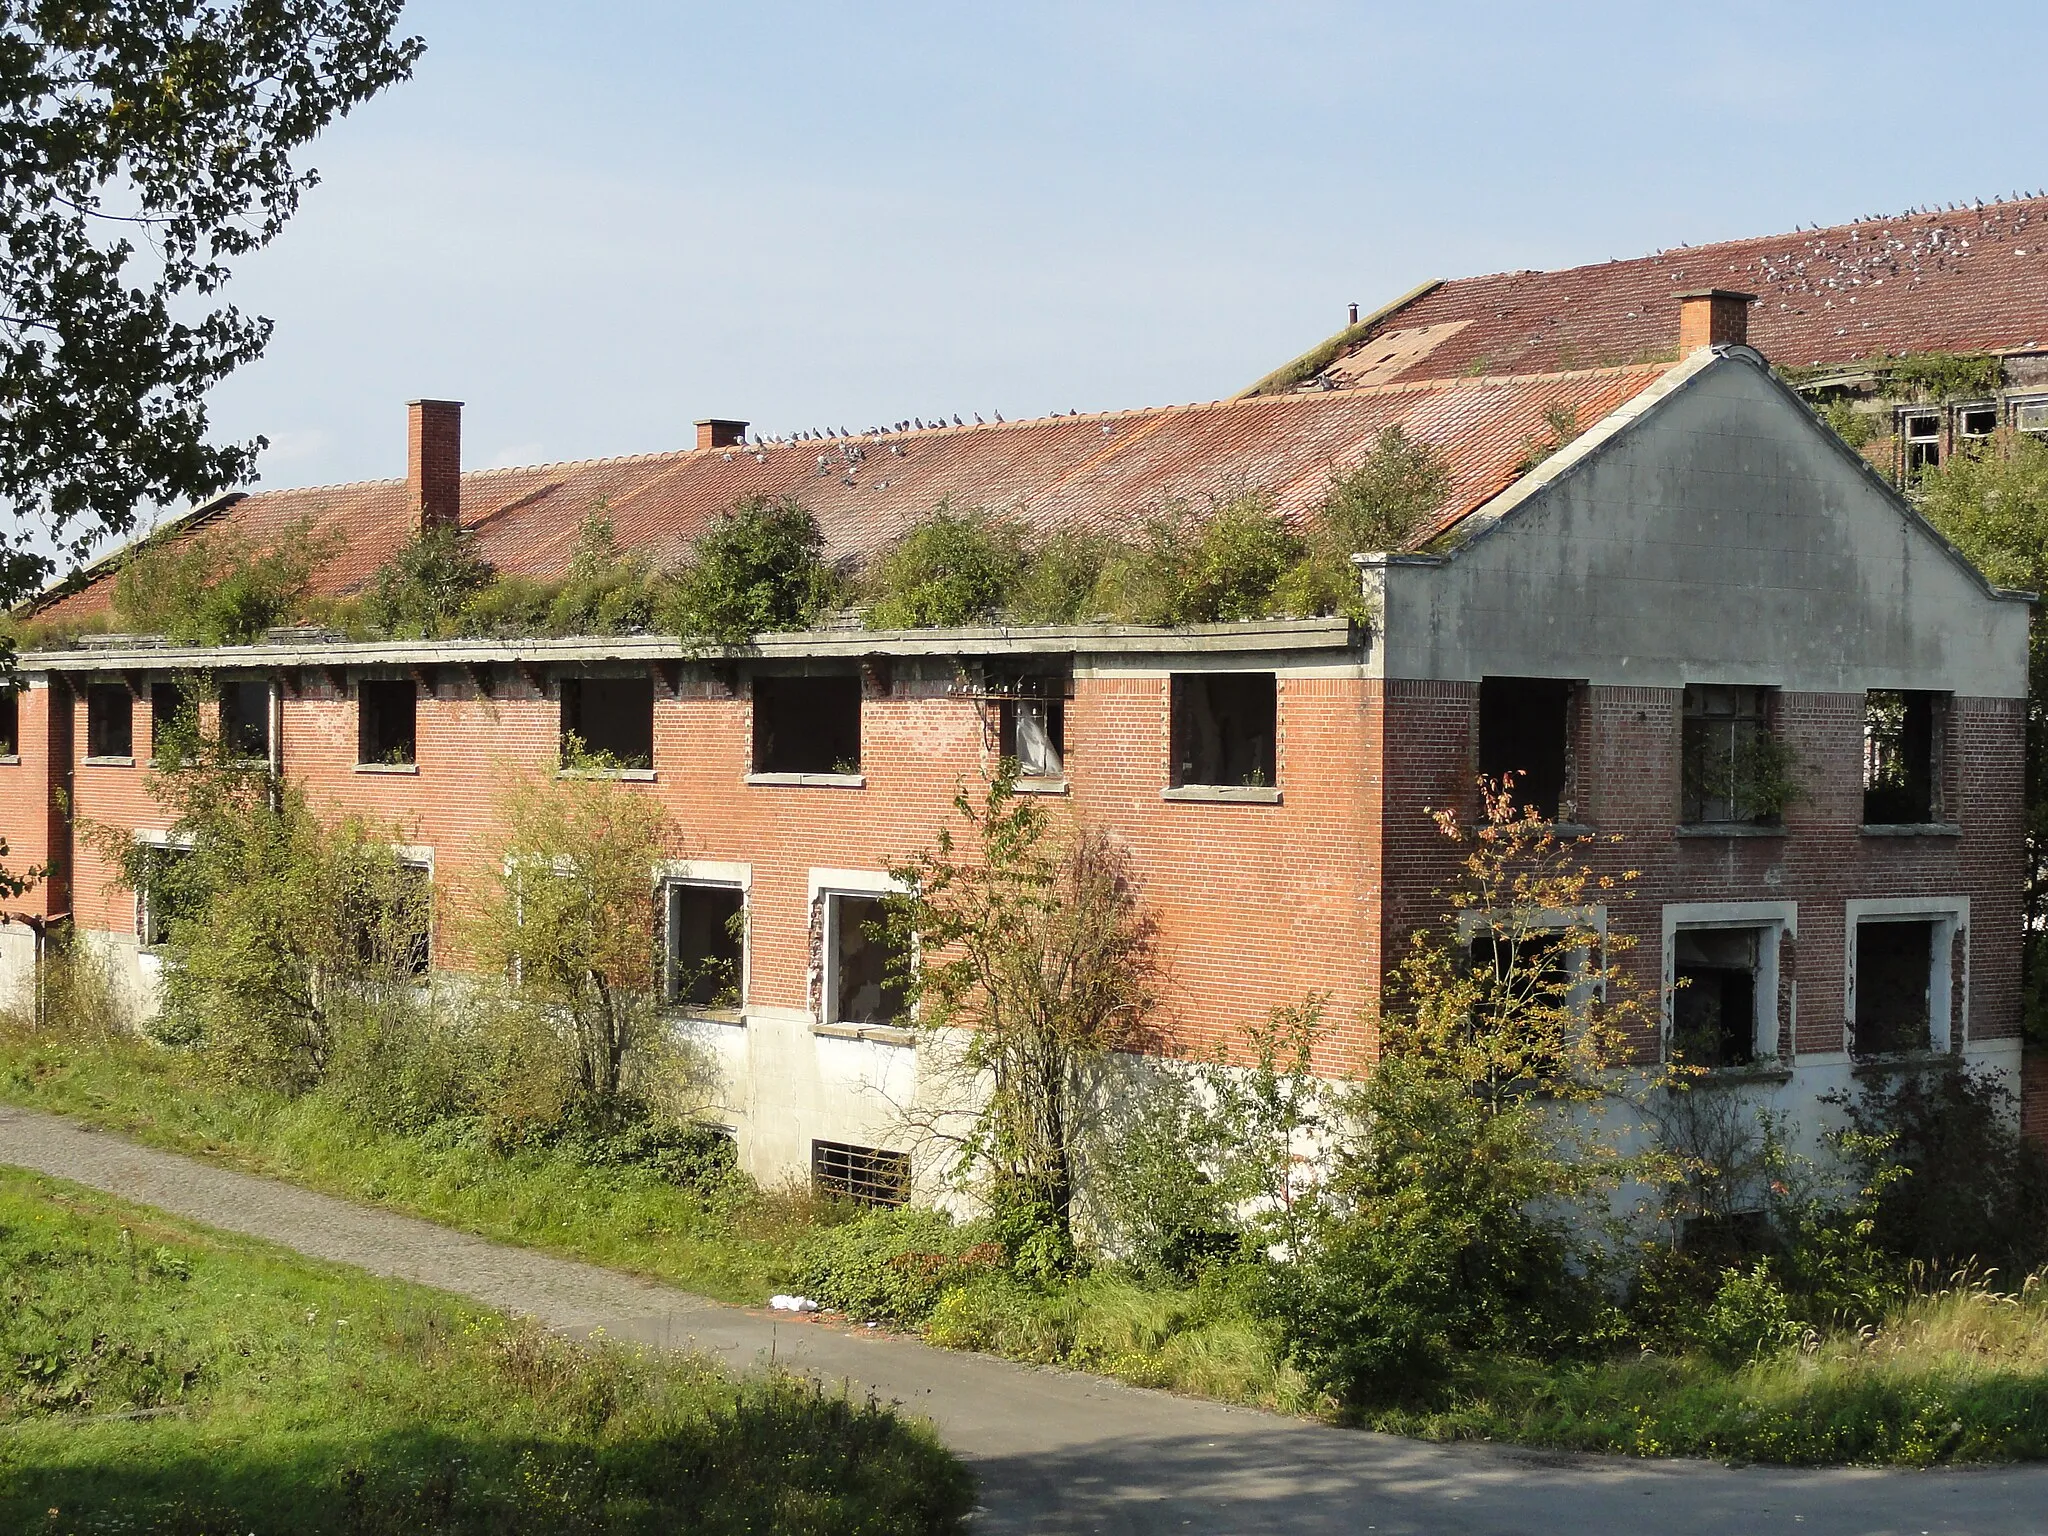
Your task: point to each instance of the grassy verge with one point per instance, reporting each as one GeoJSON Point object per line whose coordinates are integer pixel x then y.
{"type": "Point", "coordinates": [157, 1377]}
{"type": "Point", "coordinates": [1960, 1376]}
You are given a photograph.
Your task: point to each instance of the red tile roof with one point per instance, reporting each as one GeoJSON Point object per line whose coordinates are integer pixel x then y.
{"type": "Point", "coordinates": [1104, 472]}
{"type": "Point", "coordinates": [1973, 279]}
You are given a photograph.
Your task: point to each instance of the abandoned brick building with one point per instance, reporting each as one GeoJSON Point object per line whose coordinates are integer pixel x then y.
{"type": "Point", "coordinates": [1702, 567]}
{"type": "Point", "coordinates": [1930, 328]}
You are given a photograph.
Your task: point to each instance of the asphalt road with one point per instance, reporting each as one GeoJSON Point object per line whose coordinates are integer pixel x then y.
{"type": "Point", "coordinates": [1061, 1452]}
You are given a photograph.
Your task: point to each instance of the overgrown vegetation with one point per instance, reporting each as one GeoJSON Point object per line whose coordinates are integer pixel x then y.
{"type": "Point", "coordinates": [159, 1377]}
{"type": "Point", "coordinates": [214, 587]}
{"type": "Point", "coordinates": [760, 568]}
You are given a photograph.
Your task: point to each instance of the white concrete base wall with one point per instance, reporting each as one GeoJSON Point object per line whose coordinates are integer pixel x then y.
{"type": "Point", "coordinates": [17, 967]}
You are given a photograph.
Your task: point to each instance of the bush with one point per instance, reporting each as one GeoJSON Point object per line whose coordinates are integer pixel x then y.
{"type": "Point", "coordinates": [216, 588]}
{"type": "Point", "coordinates": [1061, 573]}
{"type": "Point", "coordinates": [758, 569]}
{"type": "Point", "coordinates": [1751, 1316]}
{"type": "Point", "coordinates": [892, 1266]}
{"type": "Point", "coordinates": [425, 588]}
{"type": "Point", "coordinates": [606, 590]}
{"type": "Point", "coordinates": [1188, 568]}
{"type": "Point", "coordinates": [951, 569]}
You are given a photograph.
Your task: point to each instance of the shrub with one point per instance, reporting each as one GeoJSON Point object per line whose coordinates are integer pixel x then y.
{"type": "Point", "coordinates": [951, 569]}
{"type": "Point", "coordinates": [1385, 502]}
{"type": "Point", "coordinates": [758, 569]}
{"type": "Point", "coordinates": [892, 1266]}
{"type": "Point", "coordinates": [1191, 568]}
{"type": "Point", "coordinates": [606, 590]}
{"type": "Point", "coordinates": [1750, 1316]}
{"type": "Point", "coordinates": [214, 587]}
{"type": "Point", "coordinates": [425, 588]}
{"type": "Point", "coordinates": [1060, 576]}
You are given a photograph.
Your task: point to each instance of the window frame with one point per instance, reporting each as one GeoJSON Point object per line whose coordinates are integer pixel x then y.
{"type": "Point", "coordinates": [1940, 713]}
{"type": "Point", "coordinates": [419, 857]}
{"type": "Point", "coordinates": [1180, 787]}
{"type": "Point", "coordinates": [106, 691]}
{"type": "Point", "coordinates": [268, 757]}
{"type": "Point", "coordinates": [1766, 726]}
{"type": "Point", "coordinates": [145, 913]}
{"type": "Point", "coordinates": [759, 769]}
{"type": "Point", "coordinates": [826, 887]}
{"type": "Point", "coordinates": [1586, 960]}
{"type": "Point", "coordinates": [1570, 691]}
{"type": "Point", "coordinates": [363, 716]}
{"type": "Point", "coordinates": [706, 874]}
{"type": "Point", "coordinates": [1919, 454]}
{"type": "Point", "coordinates": [10, 722]}
{"type": "Point", "coordinates": [571, 687]}
{"type": "Point", "coordinates": [1948, 996]}
{"type": "Point", "coordinates": [847, 1188]}
{"type": "Point", "coordinates": [1780, 921]}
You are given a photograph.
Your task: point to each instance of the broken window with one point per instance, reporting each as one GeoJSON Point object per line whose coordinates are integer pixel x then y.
{"type": "Point", "coordinates": [394, 925]}
{"type": "Point", "coordinates": [10, 722]}
{"type": "Point", "coordinates": [2031, 417]}
{"type": "Point", "coordinates": [1225, 728]}
{"type": "Point", "coordinates": [245, 720]}
{"type": "Point", "coordinates": [864, 979]}
{"type": "Point", "coordinates": [1894, 985]}
{"type": "Point", "coordinates": [169, 704]}
{"type": "Point", "coordinates": [168, 893]}
{"type": "Point", "coordinates": [705, 937]}
{"type": "Point", "coordinates": [1976, 423]}
{"type": "Point", "coordinates": [866, 1174]}
{"type": "Point", "coordinates": [610, 718]}
{"type": "Point", "coordinates": [1034, 736]}
{"type": "Point", "coordinates": [387, 717]}
{"type": "Point", "coordinates": [109, 721]}
{"type": "Point", "coordinates": [1730, 764]}
{"type": "Point", "coordinates": [1525, 730]}
{"type": "Point", "coordinates": [1714, 1005]}
{"type": "Point", "coordinates": [807, 724]}
{"type": "Point", "coordinates": [1922, 434]}
{"type": "Point", "coordinates": [1901, 756]}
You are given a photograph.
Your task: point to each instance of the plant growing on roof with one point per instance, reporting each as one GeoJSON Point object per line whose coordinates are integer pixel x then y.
{"type": "Point", "coordinates": [219, 587]}
{"type": "Point", "coordinates": [1188, 567]}
{"type": "Point", "coordinates": [423, 591]}
{"type": "Point", "coordinates": [948, 569]}
{"type": "Point", "coordinates": [1030, 959]}
{"type": "Point", "coordinates": [606, 590]}
{"type": "Point", "coordinates": [1940, 376]}
{"type": "Point", "coordinates": [758, 569]}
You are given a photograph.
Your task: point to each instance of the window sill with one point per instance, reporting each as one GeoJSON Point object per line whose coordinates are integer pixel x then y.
{"type": "Point", "coordinates": [1725, 829]}
{"type": "Point", "coordinates": [1911, 829]}
{"type": "Point", "coordinates": [387, 768]}
{"type": "Point", "coordinates": [811, 780]}
{"type": "Point", "coordinates": [878, 1034]}
{"type": "Point", "coordinates": [1739, 1077]}
{"type": "Point", "coordinates": [109, 762]}
{"type": "Point", "coordinates": [627, 775]}
{"type": "Point", "coordinates": [1041, 786]}
{"type": "Point", "coordinates": [10, 759]}
{"type": "Point", "coordinates": [1895, 1062]}
{"type": "Point", "coordinates": [685, 1014]}
{"type": "Point", "coordinates": [1224, 794]}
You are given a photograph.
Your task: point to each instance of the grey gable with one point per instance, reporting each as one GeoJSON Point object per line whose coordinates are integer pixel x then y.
{"type": "Point", "coordinates": [1710, 531]}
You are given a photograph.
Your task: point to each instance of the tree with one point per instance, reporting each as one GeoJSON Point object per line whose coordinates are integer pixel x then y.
{"type": "Point", "coordinates": [568, 915]}
{"type": "Point", "coordinates": [143, 147]}
{"type": "Point", "coordinates": [423, 590]}
{"type": "Point", "coordinates": [281, 932]}
{"type": "Point", "coordinates": [758, 569]}
{"type": "Point", "coordinates": [1033, 960]}
{"type": "Point", "coordinates": [1993, 504]}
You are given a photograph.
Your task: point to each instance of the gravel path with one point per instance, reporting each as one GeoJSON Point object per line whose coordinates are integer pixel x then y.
{"type": "Point", "coordinates": [1060, 1452]}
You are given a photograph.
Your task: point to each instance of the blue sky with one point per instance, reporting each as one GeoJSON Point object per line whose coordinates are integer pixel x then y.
{"type": "Point", "coordinates": [595, 224]}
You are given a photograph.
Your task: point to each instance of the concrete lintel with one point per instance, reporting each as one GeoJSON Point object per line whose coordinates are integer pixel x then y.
{"type": "Point", "coordinates": [996, 640]}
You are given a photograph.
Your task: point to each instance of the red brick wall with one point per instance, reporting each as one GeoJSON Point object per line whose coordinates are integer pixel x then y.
{"type": "Point", "coordinates": [31, 822]}
{"type": "Point", "coordinates": [1629, 786]}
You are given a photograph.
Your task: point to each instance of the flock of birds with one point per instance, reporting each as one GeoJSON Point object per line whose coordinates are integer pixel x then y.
{"type": "Point", "coordinates": [846, 436]}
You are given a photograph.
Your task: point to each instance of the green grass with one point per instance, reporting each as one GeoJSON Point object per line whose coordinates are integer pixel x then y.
{"type": "Point", "coordinates": [1960, 1376]}
{"type": "Point", "coordinates": [158, 1377]}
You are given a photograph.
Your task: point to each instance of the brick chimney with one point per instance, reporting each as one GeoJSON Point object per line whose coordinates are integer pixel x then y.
{"type": "Point", "coordinates": [1713, 317]}
{"type": "Point", "coordinates": [719, 432]}
{"type": "Point", "coordinates": [433, 462]}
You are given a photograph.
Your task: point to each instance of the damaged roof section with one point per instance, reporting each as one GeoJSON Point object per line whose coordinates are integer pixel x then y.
{"type": "Point", "coordinates": [1970, 279]}
{"type": "Point", "coordinates": [1104, 473]}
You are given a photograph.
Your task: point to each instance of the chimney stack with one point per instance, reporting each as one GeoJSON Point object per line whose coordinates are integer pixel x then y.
{"type": "Point", "coordinates": [433, 462]}
{"type": "Point", "coordinates": [1713, 317]}
{"type": "Point", "coordinates": [718, 432]}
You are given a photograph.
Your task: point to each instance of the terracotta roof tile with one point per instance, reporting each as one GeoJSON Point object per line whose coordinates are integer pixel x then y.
{"type": "Point", "coordinates": [1104, 472]}
{"type": "Point", "coordinates": [1968, 280]}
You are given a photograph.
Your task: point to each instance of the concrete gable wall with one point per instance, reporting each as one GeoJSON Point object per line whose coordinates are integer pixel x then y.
{"type": "Point", "coordinates": [1721, 536]}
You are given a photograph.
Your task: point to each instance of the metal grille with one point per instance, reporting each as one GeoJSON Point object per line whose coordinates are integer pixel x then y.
{"type": "Point", "coordinates": [866, 1174]}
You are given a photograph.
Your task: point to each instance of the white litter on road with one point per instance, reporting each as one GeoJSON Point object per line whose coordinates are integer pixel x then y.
{"type": "Point", "coordinates": [792, 1303]}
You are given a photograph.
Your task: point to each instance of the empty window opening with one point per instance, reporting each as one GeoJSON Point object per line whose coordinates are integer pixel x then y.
{"type": "Point", "coordinates": [807, 724]}
{"type": "Point", "coordinates": [1923, 444]}
{"type": "Point", "coordinates": [1034, 736]}
{"type": "Point", "coordinates": [610, 718]}
{"type": "Point", "coordinates": [394, 926]}
{"type": "Point", "coordinates": [1894, 986]}
{"type": "Point", "coordinates": [1729, 763]}
{"type": "Point", "coordinates": [705, 938]}
{"type": "Point", "coordinates": [1714, 1005]}
{"type": "Point", "coordinates": [2031, 417]}
{"type": "Point", "coordinates": [10, 722]}
{"type": "Point", "coordinates": [1901, 755]}
{"type": "Point", "coordinates": [1976, 423]}
{"type": "Point", "coordinates": [170, 710]}
{"type": "Point", "coordinates": [1225, 728]}
{"type": "Point", "coordinates": [387, 723]}
{"type": "Point", "coordinates": [245, 720]}
{"type": "Point", "coordinates": [1525, 730]}
{"type": "Point", "coordinates": [868, 1175]}
{"type": "Point", "coordinates": [865, 984]}
{"type": "Point", "coordinates": [169, 893]}
{"type": "Point", "coordinates": [109, 721]}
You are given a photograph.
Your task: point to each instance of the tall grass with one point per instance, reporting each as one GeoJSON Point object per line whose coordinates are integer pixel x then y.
{"type": "Point", "coordinates": [156, 1377]}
